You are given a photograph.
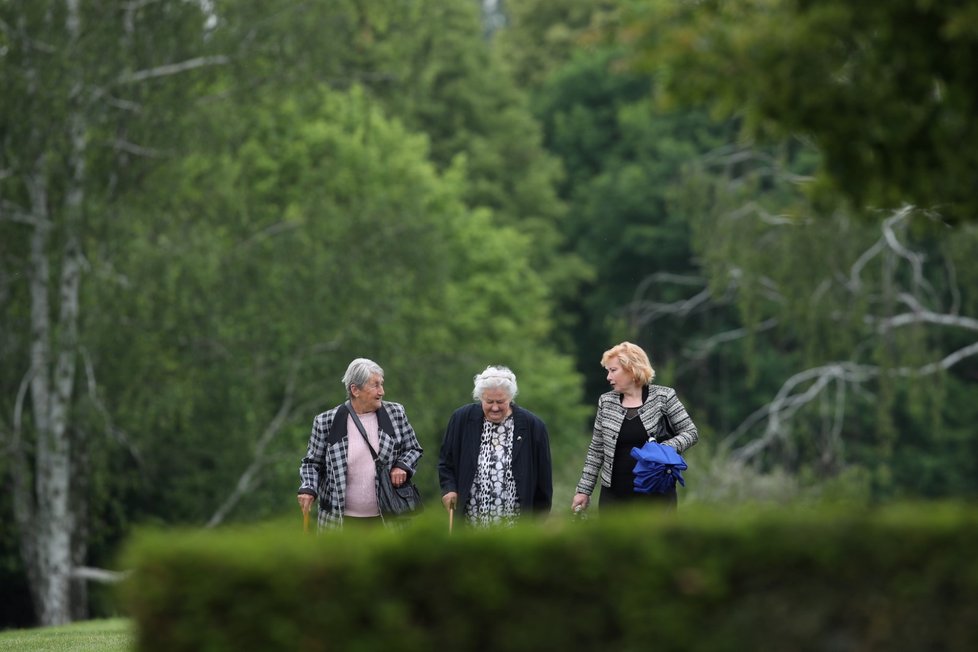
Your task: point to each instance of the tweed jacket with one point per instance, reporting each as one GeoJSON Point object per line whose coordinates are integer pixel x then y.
{"type": "Point", "coordinates": [323, 469]}
{"type": "Point", "coordinates": [661, 403]}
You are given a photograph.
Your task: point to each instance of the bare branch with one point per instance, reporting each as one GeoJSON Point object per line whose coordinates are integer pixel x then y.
{"type": "Point", "coordinates": [889, 235]}
{"type": "Point", "coordinates": [247, 478]}
{"type": "Point", "coordinates": [19, 407]}
{"type": "Point", "coordinates": [755, 208]}
{"type": "Point", "coordinates": [730, 156]}
{"type": "Point", "coordinates": [270, 231]}
{"type": "Point", "coordinates": [855, 283]}
{"type": "Point", "coordinates": [787, 402]}
{"type": "Point", "coordinates": [174, 68]}
{"type": "Point", "coordinates": [11, 212]}
{"type": "Point", "coordinates": [922, 316]}
{"type": "Point", "coordinates": [893, 279]}
{"type": "Point", "coordinates": [286, 410]}
{"type": "Point", "coordinates": [703, 348]}
{"type": "Point", "coordinates": [889, 240]}
{"type": "Point", "coordinates": [98, 574]}
{"type": "Point", "coordinates": [668, 277]}
{"type": "Point", "coordinates": [120, 435]}
{"type": "Point", "coordinates": [645, 312]}
{"type": "Point", "coordinates": [20, 35]}
{"type": "Point", "coordinates": [125, 105]}
{"type": "Point", "coordinates": [137, 150]}
{"type": "Point", "coordinates": [942, 365]}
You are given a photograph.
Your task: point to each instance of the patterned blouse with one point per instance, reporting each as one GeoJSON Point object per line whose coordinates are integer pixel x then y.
{"type": "Point", "coordinates": [493, 499]}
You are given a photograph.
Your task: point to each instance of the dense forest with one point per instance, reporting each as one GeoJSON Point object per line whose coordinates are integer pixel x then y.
{"type": "Point", "coordinates": [207, 209]}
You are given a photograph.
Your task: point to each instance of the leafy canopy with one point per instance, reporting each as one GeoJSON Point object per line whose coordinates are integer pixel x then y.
{"type": "Point", "coordinates": [887, 91]}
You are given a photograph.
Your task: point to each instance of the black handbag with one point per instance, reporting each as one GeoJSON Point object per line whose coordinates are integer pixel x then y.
{"type": "Point", "coordinates": [664, 430]}
{"type": "Point", "coordinates": [393, 501]}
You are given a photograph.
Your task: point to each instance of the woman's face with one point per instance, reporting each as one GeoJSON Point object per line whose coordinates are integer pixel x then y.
{"type": "Point", "coordinates": [495, 405]}
{"type": "Point", "coordinates": [621, 380]}
{"type": "Point", "coordinates": [369, 397]}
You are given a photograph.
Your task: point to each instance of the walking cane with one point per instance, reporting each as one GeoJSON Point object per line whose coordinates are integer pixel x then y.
{"type": "Point", "coordinates": [305, 522]}
{"type": "Point", "coordinates": [451, 518]}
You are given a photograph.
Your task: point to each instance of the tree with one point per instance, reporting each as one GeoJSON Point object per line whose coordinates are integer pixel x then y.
{"type": "Point", "coordinates": [541, 37]}
{"type": "Point", "coordinates": [325, 234]}
{"type": "Point", "coordinates": [182, 185]}
{"type": "Point", "coordinates": [66, 122]}
{"type": "Point", "coordinates": [622, 160]}
{"type": "Point", "coordinates": [856, 337]}
{"type": "Point", "coordinates": [884, 90]}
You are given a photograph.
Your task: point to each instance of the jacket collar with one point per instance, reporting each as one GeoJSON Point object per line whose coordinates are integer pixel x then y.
{"type": "Point", "coordinates": [645, 395]}
{"type": "Point", "coordinates": [337, 431]}
{"type": "Point", "coordinates": [521, 429]}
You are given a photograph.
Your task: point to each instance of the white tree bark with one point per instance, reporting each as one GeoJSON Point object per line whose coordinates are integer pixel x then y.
{"type": "Point", "coordinates": [42, 508]}
{"type": "Point", "coordinates": [247, 480]}
{"type": "Point", "coordinates": [53, 354]}
{"type": "Point", "coordinates": [902, 298]}
{"type": "Point", "coordinates": [52, 171]}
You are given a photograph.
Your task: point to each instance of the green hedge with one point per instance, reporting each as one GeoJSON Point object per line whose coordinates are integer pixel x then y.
{"type": "Point", "coordinates": [901, 578]}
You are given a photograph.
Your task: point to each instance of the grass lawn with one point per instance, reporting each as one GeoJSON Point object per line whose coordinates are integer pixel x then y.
{"type": "Point", "coordinates": [113, 635]}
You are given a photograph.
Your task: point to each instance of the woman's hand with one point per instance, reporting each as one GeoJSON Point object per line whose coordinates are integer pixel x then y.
{"type": "Point", "coordinates": [580, 502]}
{"type": "Point", "coordinates": [398, 476]}
{"type": "Point", "coordinates": [305, 502]}
{"type": "Point", "coordinates": [450, 500]}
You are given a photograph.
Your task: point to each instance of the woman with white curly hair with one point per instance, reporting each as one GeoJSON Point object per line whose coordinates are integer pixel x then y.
{"type": "Point", "coordinates": [495, 458]}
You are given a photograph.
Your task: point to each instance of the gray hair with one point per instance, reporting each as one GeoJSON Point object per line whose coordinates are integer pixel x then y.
{"type": "Point", "coordinates": [495, 377]}
{"type": "Point", "coordinates": [359, 372]}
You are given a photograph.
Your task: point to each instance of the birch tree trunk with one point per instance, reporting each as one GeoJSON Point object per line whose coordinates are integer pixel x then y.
{"type": "Point", "coordinates": [79, 83]}
{"type": "Point", "coordinates": [54, 345]}
{"type": "Point", "coordinates": [54, 199]}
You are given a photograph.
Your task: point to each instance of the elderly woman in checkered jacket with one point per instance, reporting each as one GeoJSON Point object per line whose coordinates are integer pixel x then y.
{"type": "Point", "coordinates": [631, 414]}
{"type": "Point", "coordinates": [339, 468]}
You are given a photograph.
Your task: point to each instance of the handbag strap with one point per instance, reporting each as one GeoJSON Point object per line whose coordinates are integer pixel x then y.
{"type": "Point", "coordinates": [356, 420]}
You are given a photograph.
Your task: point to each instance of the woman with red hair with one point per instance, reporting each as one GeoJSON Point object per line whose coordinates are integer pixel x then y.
{"type": "Point", "coordinates": [634, 412]}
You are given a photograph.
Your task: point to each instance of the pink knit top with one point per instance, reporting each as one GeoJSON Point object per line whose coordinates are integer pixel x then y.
{"type": "Point", "coordinates": [361, 493]}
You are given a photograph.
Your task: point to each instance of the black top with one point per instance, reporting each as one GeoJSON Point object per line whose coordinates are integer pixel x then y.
{"type": "Point", "coordinates": [632, 435]}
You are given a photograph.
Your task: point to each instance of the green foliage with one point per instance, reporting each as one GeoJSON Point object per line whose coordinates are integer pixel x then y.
{"type": "Point", "coordinates": [428, 64]}
{"type": "Point", "coordinates": [623, 163]}
{"type": "Point", "coordinates": [324, 235]}
{"type": "Point", "coordinates": [900, 578]}
{"type": "Point", "coordinates": [328, 180]}
{"type": "Point", "coordinates": [885, 90]}
{"type": "Point", "coordinates": [543, 35]}
{"type": "Point", "coordinates": [273, 189]}
{"type": "Point", "coordinates": [845, 298]}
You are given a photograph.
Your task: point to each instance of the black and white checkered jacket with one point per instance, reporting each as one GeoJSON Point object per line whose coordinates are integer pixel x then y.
{"type": "Point", "coordinates": [323, 469]}
{"type": "Point", "coordinates": [662, 402]}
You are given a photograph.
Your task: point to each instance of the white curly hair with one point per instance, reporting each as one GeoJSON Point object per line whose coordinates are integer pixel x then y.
{"type": "Point", "coordinates": [495, 377]}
